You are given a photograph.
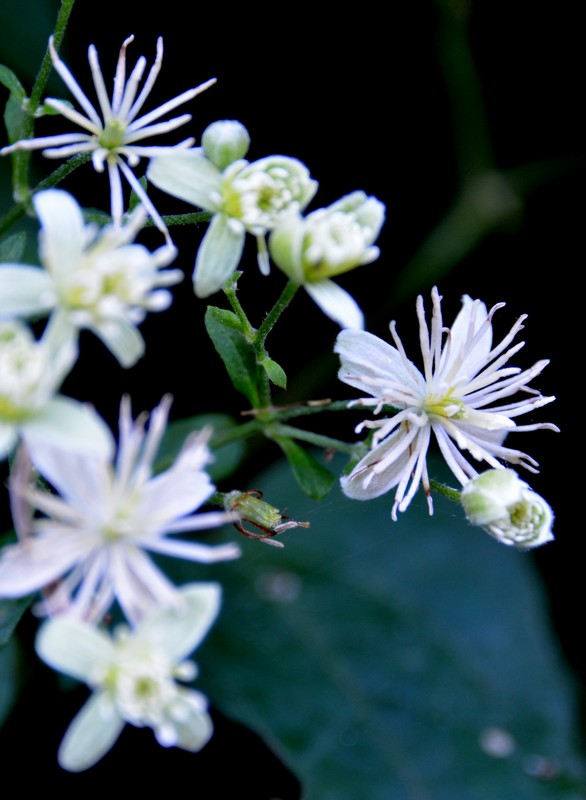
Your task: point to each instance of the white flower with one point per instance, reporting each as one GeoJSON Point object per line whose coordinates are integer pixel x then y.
{"type": "Point", "coordinates": [133, 676]}
{"type": "Point", "coordinates": [508, 509]}
{"type": "Point", "coordinates": [97, 278]}
{"type": "Point", "coordinates": [92, 538]}
{"type": "Point", "coordinates": [31, 372]}
{"type": "Point", "coordinates": [457, 397]}
{"type": "Point", "coordinates": [113, 138]}
{"type": "Point", "coordinates": [244, 197]}
{"type": "Point", "coordinates": [310, 250]}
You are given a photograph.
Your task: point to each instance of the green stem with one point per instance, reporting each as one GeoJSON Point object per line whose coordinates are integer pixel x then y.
{"type": "Point", "coordinates": [317, 439]}
{"type": "Point", "coordinates": [248, 331]}
{"type": "Point", "coordinates": [446, 491]}
{"type": "Point", "coordinates": [271, 318]}
{"type": "Point", "coordinates": [21, 161]}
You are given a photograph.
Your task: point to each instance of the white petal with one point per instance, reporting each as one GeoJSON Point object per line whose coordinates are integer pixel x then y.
{"type": "Point", "coordinates": [91, 734]}
{"type": "Point", "coordinates": [285, 245]}
{"type": "Point", "coordinates": [196, 730]}
{"type": "Point", "coordinates": [8, 439]}
{"type": "Point", "coordinates": [74, 647]}
{"type": "Point", "coordinates": [187, 175]}
{"type": "Point", "coordinates": [218, 256]}
{"type": "Point", "coordinates": [122, 339]}
{"type": "Point", "coordinates": [177, 630]}
{"type": "Point", "coordinates": [71, 425]}
{"type": "Point", "coordinates": [62, 236]}
{"type": "Point", "coordinates": [336, 304]}
{"type": "Point", "coordinates": [25, 291]}
{"type": "Point", "coordinates": [365, 483]}
{"type": "Point", "coordinates": [369, 363]}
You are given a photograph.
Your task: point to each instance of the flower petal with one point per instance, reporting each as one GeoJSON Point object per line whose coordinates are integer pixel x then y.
{"type": "Point", "coordinates": [25, 291]}
{"type": "Point", "coordinates": [71, 425]}
{"type": "Point", "coordinates": [336, 304]}
{"type": "Point", "coordinates": [91, 734]}
{"type": "Point", "coordinates": [177, 630]}
{"type": "Point", "coordinates": [218, 256]}
{"type": "Point", "coordinates": [370, 364]}
{"type": "Point", "coordinates": [187, 175]}
{"type": "Point", "coordinates": [62, 236]}
{"type": "Point", "coordinates": [73, 647]}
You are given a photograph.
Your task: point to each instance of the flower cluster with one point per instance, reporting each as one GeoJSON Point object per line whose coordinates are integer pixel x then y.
{"type": "Point", "coordinates": [92, 516]}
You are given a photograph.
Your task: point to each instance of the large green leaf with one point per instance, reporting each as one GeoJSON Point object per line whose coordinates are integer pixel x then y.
{"type": "Point", "coordinates": [394, 661]}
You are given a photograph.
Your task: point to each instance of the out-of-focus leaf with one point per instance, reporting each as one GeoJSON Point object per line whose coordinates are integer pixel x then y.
{"type": "Point", "coordinates": [236, 353]}
{"type": "Point", "coordinates": [10, 613]}
{"type": "Point", "coordinates": [226, 458]}
{"type": "Point", "coordinates": [9, 79]}
{"type": "Point", "coordinates": [10, 677]}
{"type": "Point", "coordinates": [12, 248]}
{"type": "Point", "coordinates": [406, 661]}
{"type": "Point", "coordinates": [313, 478]}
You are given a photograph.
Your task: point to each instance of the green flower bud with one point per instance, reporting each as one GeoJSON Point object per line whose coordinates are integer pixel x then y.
{"type": "Point", "coordinates": [507, 508]}
{"type": "Point", "coordinates": [225, 141]}
{"type": "Point", "coordinates": [265, 517]}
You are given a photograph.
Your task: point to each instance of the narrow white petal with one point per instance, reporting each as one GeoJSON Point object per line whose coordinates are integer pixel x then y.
{"type": "Point", "coordinates": [177, 630]}
{"type": "Point", "coordinates": [188, 176]}
{"type": "Point", "coordinates": [195, 731]}
{"type": "Point", "coordinates": [25, 291]}
{"type": "Point", "coordinates": [123, 340]}
{"type": "Point", "coordinates": [74, 647]}
{"type": "Point", "coordinates": [91, 734]}
{"type": "Point", "coordinates": [62, 237]}
{"type": "Point", "coordinates": [71, 425]}
{"type": "Point", "coordinates": [218, 256]}
{"type": "Point", "coordinates": [336, 304]}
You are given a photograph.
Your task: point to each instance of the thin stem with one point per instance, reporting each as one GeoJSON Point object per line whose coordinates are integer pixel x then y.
{"type": "Point", "coordinates": [248, 331]}
{"type": "Point", "coordinates": [21, 159]}
{"type": "Point", "coordinates": [271, 318]}
{"type": "Point", "coordinates": [446, 491]}
{"type": "Point", "coordinates": [317, 439]}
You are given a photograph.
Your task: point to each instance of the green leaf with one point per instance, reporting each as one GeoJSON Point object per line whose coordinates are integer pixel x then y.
{"type": "Point", "coordinates": [227, 458]}
{"type": "Point", "coordinates": [235, 351]}
{"type": "Point", "coordinates": [10, 677]}
{"type": "Point", "coordinates": [313, 478]}
{"type": "Point", "coordinates": [14, 86]}
{"type": "Point", "coordinates": [14, 118]}
{"type": "Point", "coordinates": [275, 372]}
{"type": "Point", "coordinates": [12, 248]}
{"type": "Point", "coordinates": [384, 660]}
{"type": "Point", "coordinates": [10, 613]}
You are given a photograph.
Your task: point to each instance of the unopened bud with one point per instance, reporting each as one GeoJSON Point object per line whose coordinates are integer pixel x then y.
{"type": "Point", "coordinates": [507, 508]}
{"type": "Point", "coordinates": [266, 518]}
{"type": "Point", "coordinates": [225, 141]}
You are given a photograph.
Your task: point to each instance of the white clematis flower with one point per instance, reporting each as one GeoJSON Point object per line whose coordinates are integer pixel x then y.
{"type": "Point", "coordinates": [243, 197]}
{"type": "Point", "coordinates": [31, 372]}
{"type": "Point", "coordinates": [133, 676]}
{"type": "Point", "coordinates": [457, 397]}
{"type": "Point", "coordinates": [89, 544]}
{"type": "Point", "coordinates": [310, 250]}
{"type": "Point", "coordinates": [95, 278]}
{"type": "Point", "coordinates": [113, 139]}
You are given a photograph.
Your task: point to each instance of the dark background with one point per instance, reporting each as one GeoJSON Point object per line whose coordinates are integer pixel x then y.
{"type": "Point", "coordinates": [409, 104]}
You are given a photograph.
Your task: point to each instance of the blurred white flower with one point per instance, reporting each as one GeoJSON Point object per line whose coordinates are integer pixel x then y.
{"type": "Point", "coordinates": [96, 278]}
{"type": "Point", "coordinates": [31, 372]}
{"type": "Point", "coordinates": [113, 137]}
{"type": "Point", "coordinates": [133, 676]}
{"type": "Point", "coordinates": [89, 545]}
{"type": "Point", "coordinates": [243, 197]}
{"type": "Point", "coordinates": [457, 397]}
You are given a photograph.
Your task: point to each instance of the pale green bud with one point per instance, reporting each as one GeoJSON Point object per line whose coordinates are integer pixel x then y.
{"type": "Point", "coordinates": [507, 508]}
{"type": "Point", "coordinates": [225, 141]}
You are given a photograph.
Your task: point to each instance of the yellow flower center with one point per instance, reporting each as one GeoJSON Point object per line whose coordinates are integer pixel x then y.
{"type": "Point", "coordinates": [114, 134]}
